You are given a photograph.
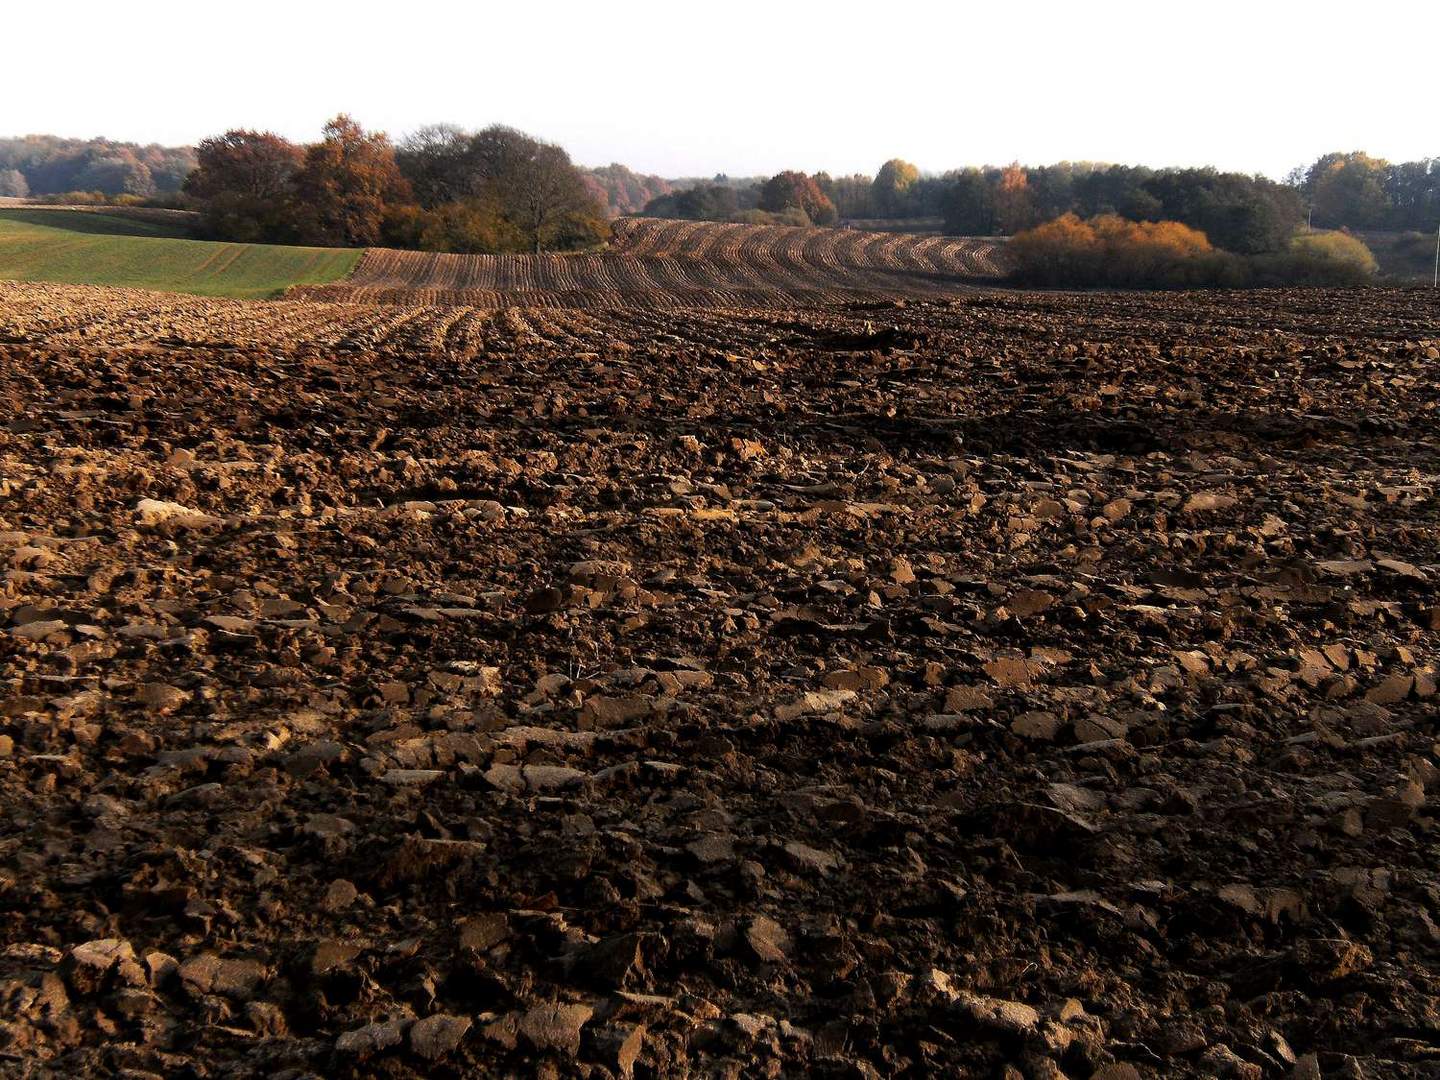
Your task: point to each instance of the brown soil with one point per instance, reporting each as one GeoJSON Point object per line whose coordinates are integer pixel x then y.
{"type": "Point", "coordinates": [1015, 686]}
{"type": "Point", "coordinates": [681, 264]}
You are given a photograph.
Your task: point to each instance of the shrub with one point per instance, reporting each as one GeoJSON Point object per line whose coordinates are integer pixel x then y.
{"type": "Point", "coordinates": [1110, 251]}
{"type": "Point", "coordinates": [470, 227]}
{"type": "Point", "coordinates": [247, 219]}
{"type": "Point", "coordinates": [79, 198]}
{"type": "Point", "coordinates": [791, 216]}
{"type": "Point", "coordinates": [1331, 258]}
{"type": "Point", "coordinates": [1414, 246]}
{"type": "Point", "coordinates": [579, 231]}
{"type": "Point", "coordinates": [1065, 251]}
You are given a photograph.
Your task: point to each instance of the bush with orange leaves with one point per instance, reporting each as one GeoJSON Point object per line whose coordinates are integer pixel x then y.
{"type": "Point", "coordinates": [1111, 251]}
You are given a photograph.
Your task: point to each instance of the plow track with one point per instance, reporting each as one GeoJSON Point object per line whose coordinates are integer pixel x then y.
{"type": "Point", "coordinates": [667, 264]}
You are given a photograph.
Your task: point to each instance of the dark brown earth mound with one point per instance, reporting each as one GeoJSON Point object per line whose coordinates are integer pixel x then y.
{"type": "Point", "coordinates": [1014, 687]}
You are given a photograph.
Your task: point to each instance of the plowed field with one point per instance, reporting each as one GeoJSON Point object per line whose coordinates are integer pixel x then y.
{"type": "Point", "coordinates": [1002, 686]}
{"type": "Point", "coordinates": [668, 264]}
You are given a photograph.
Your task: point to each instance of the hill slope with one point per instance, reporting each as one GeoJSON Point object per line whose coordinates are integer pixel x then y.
{"type": "Point", "coordinates": [111, 249]}
{"type": "Point", "coordinates": [655, 263]}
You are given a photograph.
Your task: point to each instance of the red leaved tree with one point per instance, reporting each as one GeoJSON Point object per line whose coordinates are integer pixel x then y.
{"type": "Point", "coordinates": [794, 190]}
{"type": "Point", "coordinates": [244, 179]}
{"type": "Point", "coordinates": [255, 164]}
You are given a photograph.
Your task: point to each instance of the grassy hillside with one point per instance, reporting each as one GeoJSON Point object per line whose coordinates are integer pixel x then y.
{"type": "Point", "coordinates": [105, 249]}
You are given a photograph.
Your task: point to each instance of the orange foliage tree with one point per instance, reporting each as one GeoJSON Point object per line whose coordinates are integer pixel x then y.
{"type": "Point", "coordinates": [1109, 250]}
{"type": "Point", "coordinates": [243, 179]}
{"type": "Point", "coordinates": [255, 164]}
{"type": "Point", "coordinates": [794, 190]}
{"type": "Point", "coordinates": [348, 183]}
{"type": "Point", "coordinates": [1014, 204]}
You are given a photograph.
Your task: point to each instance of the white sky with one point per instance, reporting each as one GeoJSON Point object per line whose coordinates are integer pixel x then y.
{"type": "Point", "coordinates": [695, 88]}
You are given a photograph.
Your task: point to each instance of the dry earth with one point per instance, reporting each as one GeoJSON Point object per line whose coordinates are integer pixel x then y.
{"type": "Point", "coordinates": [1011, 686]}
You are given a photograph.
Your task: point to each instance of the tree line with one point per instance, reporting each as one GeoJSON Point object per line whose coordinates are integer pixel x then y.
{"type": "Point", "coordinates": [1238, 212]}
{"type": "Point", "coordinates": [791, 197]}
{"type": "Point", "coordinates": [1242, 213]}
{"type": "Point", "coordinates": [498, 189]}
{"type": "Point", "coordinates": [1356, 191]}
{"type": "Point", "coordinates": [33, 165]}
{"type": "Point", "coordinates": [1102, 225]}
{"type": "Point", "coordinates": [622, 190]}
{"type": "Point", "coordinates": [440, 189]}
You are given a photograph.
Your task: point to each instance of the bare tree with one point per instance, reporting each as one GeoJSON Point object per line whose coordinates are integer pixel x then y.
{"type": "Point", "coordinates": [438, 162]}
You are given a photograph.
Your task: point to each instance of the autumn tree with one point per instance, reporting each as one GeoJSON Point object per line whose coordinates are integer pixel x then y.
{"type": "Point", "coordinates": [1014, 208]}
{"type": "Point", "coordinates": [255, 164]}
{"type": "Point", "coordinates": [1064, 251]}
{"type": "Point", "coordinates": [891, 186]}
{"type": "Point", "coordinates": [1109, 250]}
{"type": "Point", "coordinates": [243, 179]}
{"type": "Point", "coordinates": [1148, 252]}
{"type": "Point", "coordinates": [348, 182]}
{"type": "Point", "coordinates": [794, 190]}
{"type": "Point", "coordinates": [1355, 190]}
{"type": "Point", "coordinates": [622, 190]}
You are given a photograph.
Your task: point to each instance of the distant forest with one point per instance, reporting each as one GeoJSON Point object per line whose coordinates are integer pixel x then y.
{"type": "Point", "coordinates": [37, 165]}
{"type": "Point", "coordinates": [49, 165]}
{"type": "Point", "coordinates": [1239, 212]}
{"type": "Point", "coordinates": [624, 191]}
{"type": "Point", "coordinates": [502, 190]}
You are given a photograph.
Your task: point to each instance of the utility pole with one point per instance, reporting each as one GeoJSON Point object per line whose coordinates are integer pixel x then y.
{"type": "Point", "coordinates": [1435, 282]}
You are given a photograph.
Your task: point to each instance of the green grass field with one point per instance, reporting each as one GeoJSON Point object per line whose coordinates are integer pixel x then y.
{"type": "Point", "coordinates": [85, 248]}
